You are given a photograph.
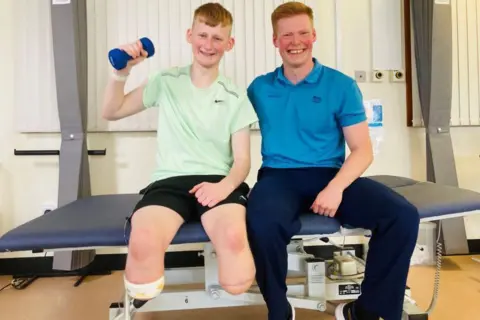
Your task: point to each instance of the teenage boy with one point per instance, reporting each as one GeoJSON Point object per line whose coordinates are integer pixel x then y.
{"type": "Point", "coordinates": [203, 158]}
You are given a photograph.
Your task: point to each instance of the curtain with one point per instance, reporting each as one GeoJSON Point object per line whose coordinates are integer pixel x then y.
{"type": "Point", "coordinates": [432, 28]}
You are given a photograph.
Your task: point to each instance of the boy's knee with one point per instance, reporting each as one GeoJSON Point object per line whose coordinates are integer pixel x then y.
{"type": "Point", "coordinates": [235, 239]}
{"type": "Point", "coordinates": [143, 243]}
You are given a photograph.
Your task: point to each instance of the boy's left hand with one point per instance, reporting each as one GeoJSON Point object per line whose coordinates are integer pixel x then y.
{"type": "Point", "coordinates": [209, 194]}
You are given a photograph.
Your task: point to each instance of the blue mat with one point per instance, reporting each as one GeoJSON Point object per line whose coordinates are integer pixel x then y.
{"type": "Point", "coordinates": [99, 221]}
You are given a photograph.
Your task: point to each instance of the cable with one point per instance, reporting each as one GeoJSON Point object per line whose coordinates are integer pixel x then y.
{"type": "Point", "coordinates": [19, 283]}
{"type": "Point", "coordinates": [362, 262]}
{"type": "Point", "coordinates": [436, 284]}
{"type": "Point", "coordinates": [334, 276]}
{"type": "Point", "coordinates": [438, 267]}
{"type": "Point", "coordinates": [5, 287]}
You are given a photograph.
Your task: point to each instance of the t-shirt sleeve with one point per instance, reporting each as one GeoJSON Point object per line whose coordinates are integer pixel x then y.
{"type": "Point", "coordinates": [250, 95]}
{"type": "Point", "coordinates": [352, 110]}
{"type": "Point", "coordinates": [152, 90]}
{"type": "Point", "coordinates": [244, 115]}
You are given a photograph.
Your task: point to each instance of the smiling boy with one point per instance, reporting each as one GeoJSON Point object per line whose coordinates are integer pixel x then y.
{"type": "Point", "coordinates": [203, 157]}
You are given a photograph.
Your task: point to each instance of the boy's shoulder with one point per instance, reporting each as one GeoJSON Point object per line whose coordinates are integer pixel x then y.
{"type": "Point", "coordinates": [163, 76]}
{"type": "Point", "coordinates": [175, 71]}
{"type": "Point", "coordinates": [231, 87]}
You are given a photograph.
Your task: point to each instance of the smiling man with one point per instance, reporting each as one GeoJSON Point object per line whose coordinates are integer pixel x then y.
{"type": "Point", "coordinates": [308, 113]}
{"type": "Point", "coordinates": [203, 157]}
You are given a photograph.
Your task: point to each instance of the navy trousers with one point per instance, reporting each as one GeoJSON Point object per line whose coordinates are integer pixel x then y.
{"type": "Point", "coordinates": [274, 205]}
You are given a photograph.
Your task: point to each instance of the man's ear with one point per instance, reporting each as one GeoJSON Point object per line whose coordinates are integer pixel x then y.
{"type": "Point", "coordinates": [274, 39]}
{"type": "Point", "coordinates": [314, 35]}
{"type": "Point", "coordinates": [189, 36]}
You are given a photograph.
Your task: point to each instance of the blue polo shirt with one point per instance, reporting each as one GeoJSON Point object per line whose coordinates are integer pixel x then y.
{"type": "Point", "coordinates": [301, 124]}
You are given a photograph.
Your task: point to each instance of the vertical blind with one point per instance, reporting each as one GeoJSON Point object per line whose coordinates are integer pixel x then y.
{"type": "Point", "coordinates": [114, 22]}
{"type": "Point", "coordinates": [465, 66]}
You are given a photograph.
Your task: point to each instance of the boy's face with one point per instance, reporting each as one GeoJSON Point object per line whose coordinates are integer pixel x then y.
{"type": "Point", "coordinates": [294, 39]}
{"type": "Point", "coordinates": [209, 43]}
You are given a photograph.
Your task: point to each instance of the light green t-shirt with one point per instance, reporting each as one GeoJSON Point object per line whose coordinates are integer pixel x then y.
{"type": "Point", "coordinates": [195, 124]}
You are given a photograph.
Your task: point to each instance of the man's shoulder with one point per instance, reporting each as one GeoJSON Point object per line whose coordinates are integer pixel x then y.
{"type": "Point", "coordinates": [336, 78]}
{"type": "Point", "coordinates": [264, 79]}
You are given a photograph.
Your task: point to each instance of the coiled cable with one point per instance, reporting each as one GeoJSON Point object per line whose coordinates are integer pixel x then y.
{"type": "Point", "coordinates": [436, 284]}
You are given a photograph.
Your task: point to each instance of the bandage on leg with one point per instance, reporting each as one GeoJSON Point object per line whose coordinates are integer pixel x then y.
{"type": "Point", "coordinates": [145, 291]}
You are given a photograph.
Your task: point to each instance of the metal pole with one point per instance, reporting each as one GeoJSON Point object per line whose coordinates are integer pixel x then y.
{"type": "Point", "coordinates": [433, 42]}
{"type": "Point", "coordinates": [69, 33]}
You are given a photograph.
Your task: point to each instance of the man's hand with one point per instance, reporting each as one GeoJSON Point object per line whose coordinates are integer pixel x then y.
{"type": "Point", "coordinates": [209, 194]}
{"type": "Point", "coordinates": [327, 201]}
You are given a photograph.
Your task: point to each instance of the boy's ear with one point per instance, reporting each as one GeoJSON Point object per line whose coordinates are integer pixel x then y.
{"type": "Point", "coordinates": [231, 43]}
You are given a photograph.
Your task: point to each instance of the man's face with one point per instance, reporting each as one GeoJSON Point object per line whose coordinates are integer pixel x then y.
{"type": "Point", "coordinates": [209, 43]}
{"type": "Point", "coordinates": [294, 39]}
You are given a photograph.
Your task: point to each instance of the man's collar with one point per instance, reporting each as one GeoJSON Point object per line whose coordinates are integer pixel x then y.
{"type": "Point", "coordinates": [312, 77]}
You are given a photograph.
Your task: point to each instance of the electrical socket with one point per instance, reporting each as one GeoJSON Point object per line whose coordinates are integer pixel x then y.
{"type": "Point", "coordinates": [397, 76]}
{"type": "Point", "coordinates": [378, 76]}
{"type": "Point", "coordinates": [47, 207]}
{"type": "Point", "coordinates": [360, 76]}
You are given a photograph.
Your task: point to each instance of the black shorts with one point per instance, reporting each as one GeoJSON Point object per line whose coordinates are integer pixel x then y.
{"type": "Point", "coordinates": [173, 193]}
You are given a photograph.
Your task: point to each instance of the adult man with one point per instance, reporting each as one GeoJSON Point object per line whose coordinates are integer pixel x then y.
{"type": "Point", "coordinates": [307, 112]}
{"type": "Point", "coordinates": [203, 158]}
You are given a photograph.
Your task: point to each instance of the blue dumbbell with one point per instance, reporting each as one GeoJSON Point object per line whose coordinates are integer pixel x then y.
{"type": "Point", "coordinates": [119, 58]}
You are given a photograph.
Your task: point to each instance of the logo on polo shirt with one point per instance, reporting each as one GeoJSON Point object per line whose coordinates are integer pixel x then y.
{"type": "Point", "coordinates": [274, 95]}
{"type": "Point", "coordinates": [316, 99]}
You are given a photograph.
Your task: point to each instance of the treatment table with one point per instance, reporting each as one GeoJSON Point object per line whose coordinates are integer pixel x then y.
{"type": "Point", "coordinates": [100, 221]}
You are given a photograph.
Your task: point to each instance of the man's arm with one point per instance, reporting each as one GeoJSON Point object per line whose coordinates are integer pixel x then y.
{"type": "Point", "coordinates": [360, 157]}
{"type": "Point", "coordinates": [352, 118]}
{"type": "Point", "coordinates": [241, 159]}
{"type": "Point", "coordinates": [117, 105]}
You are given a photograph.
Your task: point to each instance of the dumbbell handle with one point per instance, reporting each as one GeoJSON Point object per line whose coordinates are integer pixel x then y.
{"type": "Point", "coordinates": [119, 58]}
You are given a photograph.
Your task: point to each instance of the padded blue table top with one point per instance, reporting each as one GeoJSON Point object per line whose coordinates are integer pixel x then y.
{"type": "Point", "coordinates": [100, 220]}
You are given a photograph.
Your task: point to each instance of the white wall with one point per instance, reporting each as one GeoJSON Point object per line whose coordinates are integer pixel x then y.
{"type": "Point", "coordinates": [122, 171]}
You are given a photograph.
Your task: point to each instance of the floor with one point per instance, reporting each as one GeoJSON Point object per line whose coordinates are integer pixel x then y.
{"type": "Point", "coordinates": [56, 298]}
